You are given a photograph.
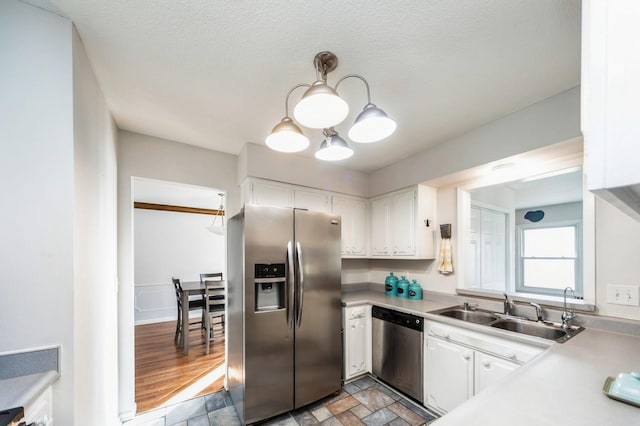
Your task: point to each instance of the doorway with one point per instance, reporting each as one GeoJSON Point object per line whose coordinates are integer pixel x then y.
{"type": "Point", "coordinates": [171, 239]}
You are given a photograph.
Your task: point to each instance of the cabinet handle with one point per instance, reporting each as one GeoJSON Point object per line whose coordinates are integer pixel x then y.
{"type": "Point", "coordinates": [353, 326]}
{"type": "Point", "coordinates": [486, 364]}
{"type": "Point", "coordinates": [435, 332]}
{"type": "Point", "coordinates": [466, 356]}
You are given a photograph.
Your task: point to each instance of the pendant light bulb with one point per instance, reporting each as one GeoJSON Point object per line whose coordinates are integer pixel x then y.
{"type": "Point", "coordinates": [320, 107]}
{"type": "Point", "coordinates": [286, 136]}
{"type": "Point", "coordinates": [371, 125]}
{"type": "Point", "coordinates": [333, 147]}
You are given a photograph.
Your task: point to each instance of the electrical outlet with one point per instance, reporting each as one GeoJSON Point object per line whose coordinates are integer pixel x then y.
{"type": "Point", "coordinates": [623, 294]}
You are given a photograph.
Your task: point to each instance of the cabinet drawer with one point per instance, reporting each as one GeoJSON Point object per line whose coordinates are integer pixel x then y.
{"type": "Point", "coordinates": [356, 312]}
{"type": "Point", "coordinates": [503, 348]}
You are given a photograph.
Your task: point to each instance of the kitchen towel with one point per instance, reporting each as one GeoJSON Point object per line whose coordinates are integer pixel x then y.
{"type": "Point", "coordinates": [445, 264]}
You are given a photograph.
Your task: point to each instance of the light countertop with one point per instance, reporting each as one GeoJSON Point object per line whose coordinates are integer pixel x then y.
{"type": "Point", "coordinates": [23, 390]}
{"type": "Point", "coordinates": [563, 385]}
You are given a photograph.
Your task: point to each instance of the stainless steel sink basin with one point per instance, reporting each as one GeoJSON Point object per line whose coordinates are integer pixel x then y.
{"type": "Point", "coordinates": [551, 331]}
{"type": "Point", "coordinates": [477, 316]}
{"type": "Point", "coordinates": [532, 329]}
{"type": "Point", "coordinates": [546, 330]}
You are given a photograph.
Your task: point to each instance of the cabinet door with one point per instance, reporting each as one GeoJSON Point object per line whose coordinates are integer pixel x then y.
{"type": "Point", "coordinates": [358, 227]}
{"type": "Point", "coordinates": [402, 218]}
{"type": "Point", "coordinates": [272, 194]}
{"type": "Point", "coordinates": [380, 227]}
{"type": "Point", "coordinates": [341, 206]}
{"type": "Point", "coordinates": [355, 347]}
{"type": "Point", "coordinates": [311, 200]}
{"type": "Point", "coordinates": [489, 369]}
{"type": "Point", "coordinates": [448, 374]}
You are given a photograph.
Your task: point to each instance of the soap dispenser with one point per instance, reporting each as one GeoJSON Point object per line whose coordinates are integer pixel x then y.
{"type": "Point", "coordinates": [391, 285]}
{"type": "Point", "coordinates": [415, 291]}
{"type": "Point", "coordinates": [403, 287]}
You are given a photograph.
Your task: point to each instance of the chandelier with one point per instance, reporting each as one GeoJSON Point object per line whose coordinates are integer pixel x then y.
{"type": "Point", "coordinates": [217, 227]}
{"type": "Point", "coordinates": [322, 108]}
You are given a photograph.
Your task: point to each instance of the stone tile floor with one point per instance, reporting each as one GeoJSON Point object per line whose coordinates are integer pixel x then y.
{"type": "Point", "coordinates": [361, 402]}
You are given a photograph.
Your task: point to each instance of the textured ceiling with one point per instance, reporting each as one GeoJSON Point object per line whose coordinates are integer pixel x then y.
{"type": "Point", "coordinates": [215, 73]}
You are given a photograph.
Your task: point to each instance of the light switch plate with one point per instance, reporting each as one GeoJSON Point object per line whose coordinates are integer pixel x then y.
{"type": "Point", "coordinates": [623, 294]}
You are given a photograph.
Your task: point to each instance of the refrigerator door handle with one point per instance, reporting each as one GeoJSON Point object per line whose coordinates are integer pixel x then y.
{"type": "Point", "coordinates": [300, 283]}
{"type": "Point", "coordinates": [291, 295]}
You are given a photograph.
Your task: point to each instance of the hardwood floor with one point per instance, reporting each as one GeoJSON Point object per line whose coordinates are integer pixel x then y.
{"type": "Point", "coordinates": [163, 373]}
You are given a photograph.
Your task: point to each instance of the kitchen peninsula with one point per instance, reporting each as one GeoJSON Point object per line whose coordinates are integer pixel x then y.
{"type": "Point", "coordinates": [562, 385]}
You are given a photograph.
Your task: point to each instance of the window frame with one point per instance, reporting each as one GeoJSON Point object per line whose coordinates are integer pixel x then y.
{"type": "Point", "coordinates": [578, 265]}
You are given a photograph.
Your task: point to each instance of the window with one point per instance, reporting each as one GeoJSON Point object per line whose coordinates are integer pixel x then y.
{"type": "Point", "coordinates": [488, 249]}
{"type": "Point", "coordinates": [549, 258]}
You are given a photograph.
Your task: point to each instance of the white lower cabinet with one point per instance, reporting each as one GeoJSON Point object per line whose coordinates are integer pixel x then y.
{"type": "Point", "coordinates": [357, 341]}
{"type": "Point", "coordinates": [40, 411]}
{"type": "Point", "coordinates": [459, 363]}
{"type": "Point", "coordinates": [489, 369]}
{"type": "Point", "coordinates": [448, 374]}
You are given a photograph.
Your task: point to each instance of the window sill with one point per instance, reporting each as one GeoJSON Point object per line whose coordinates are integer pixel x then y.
{"type": "Point", "coordinates": [551, 301]}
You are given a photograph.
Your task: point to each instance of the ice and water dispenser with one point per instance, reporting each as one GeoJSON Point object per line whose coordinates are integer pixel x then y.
{"type": "Point", "coordinates": [270, 286]}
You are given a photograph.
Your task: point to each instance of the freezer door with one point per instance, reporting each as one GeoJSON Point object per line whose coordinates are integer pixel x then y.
{"type": "Point", "coordinates": [318, 350]}
{"type": "Point", "coordinates": [269, 340]}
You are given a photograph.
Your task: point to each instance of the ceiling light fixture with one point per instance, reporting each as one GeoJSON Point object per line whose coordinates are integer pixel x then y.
{"type": "Point", "coordinates": [218, 229]}
{"type": "Point", "coordinates": [333, 147]}
{"type": "Point", "coordinates": [321, 107]}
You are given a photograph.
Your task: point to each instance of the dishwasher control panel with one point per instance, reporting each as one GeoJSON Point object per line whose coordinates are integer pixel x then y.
{"type": "Point", "coordinates": [399, 318]}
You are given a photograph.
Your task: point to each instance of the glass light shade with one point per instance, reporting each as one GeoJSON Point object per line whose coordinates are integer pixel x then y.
{"type": "Point", "coordinates": [334, 148]}
{"type": "Point", "coordinates": [371, 125]}
{"type": "Point", "coordinates": [320, 107]}
{"type": "Point", "coordinates": [287, 137]}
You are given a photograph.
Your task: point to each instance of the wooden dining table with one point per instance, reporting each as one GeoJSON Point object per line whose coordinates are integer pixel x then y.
{"type": "Point", "coordinates": [190, 288]}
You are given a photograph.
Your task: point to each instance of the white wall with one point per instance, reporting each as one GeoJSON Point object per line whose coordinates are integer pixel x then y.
{"type": "Point", "coordinates": [155, 158]}
{"type": "Point", "coordinates": [424, 271]}
{"type": "Point", "coordinates": [550, 121]}
{"type": "Point", "coordinates": [58, 226]}
{"type": "Point", "coordinates": [94, 249]}
{"type": "Point", "coordinates": [553, 213]}
{"type": "Point", "coordinates": [171, 244]}
{"type": "Point", "coordinates": [262, 162]}
{"type": "Point", "coordinates": [36, 167]}
{"type": "Point", "coordinates": [617, 257]}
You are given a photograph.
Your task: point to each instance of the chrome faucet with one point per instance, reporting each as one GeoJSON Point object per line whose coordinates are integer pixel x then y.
{"type": "Point", "coordinates": [567, 315]}
{"type": "Point", "coordinates": [538, 311]}
{"type": "Point", "coordinates": [508, 305]}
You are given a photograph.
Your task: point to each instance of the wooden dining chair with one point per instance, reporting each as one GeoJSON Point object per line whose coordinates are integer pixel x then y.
{"type": "Point", "coordinates": [181, 323]}
{"type": "Point", "coordinates": [214, 301]}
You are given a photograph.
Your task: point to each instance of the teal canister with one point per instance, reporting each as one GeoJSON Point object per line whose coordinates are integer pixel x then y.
{"type": "Point", "coordinates": [403, 287]}
{"type": "Point", "coordinates": [391, 285]}
{"type": "Point", "coordinates": [415, 291]}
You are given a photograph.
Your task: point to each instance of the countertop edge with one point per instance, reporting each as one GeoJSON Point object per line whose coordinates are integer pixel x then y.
{"type": "Point", "coordinates": [23, 390]}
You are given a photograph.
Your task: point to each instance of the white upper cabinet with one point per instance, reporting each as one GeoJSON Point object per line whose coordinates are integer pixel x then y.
{"type": "Point", "coordinates": [398, 227]}
{"type": "Point", "coordinates": [389, 226]}
{"type": "Point", "coordinates": [317, 201]}
{"type": "Point", "coordinates": [267, 193]}
{"type": "Point", "coordinates": [354, 224]}
{"type": "Point", "coordinates": [610, 91]}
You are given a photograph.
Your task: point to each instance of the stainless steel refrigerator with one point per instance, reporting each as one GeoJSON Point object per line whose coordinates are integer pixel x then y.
{"type": "Point", "coordinates": [284, 309]}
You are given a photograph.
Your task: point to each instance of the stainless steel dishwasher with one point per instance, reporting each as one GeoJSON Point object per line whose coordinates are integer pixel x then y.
{"type": "Point", "coordinates": [398, 350]}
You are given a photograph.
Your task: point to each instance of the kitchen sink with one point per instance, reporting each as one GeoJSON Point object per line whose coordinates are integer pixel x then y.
{"type": "Point", "coordinates": [546, 330]}
{"type": "Point", "coordinates": [532, 329]}
{"type": "Point", "coordinates": [476, 316]}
